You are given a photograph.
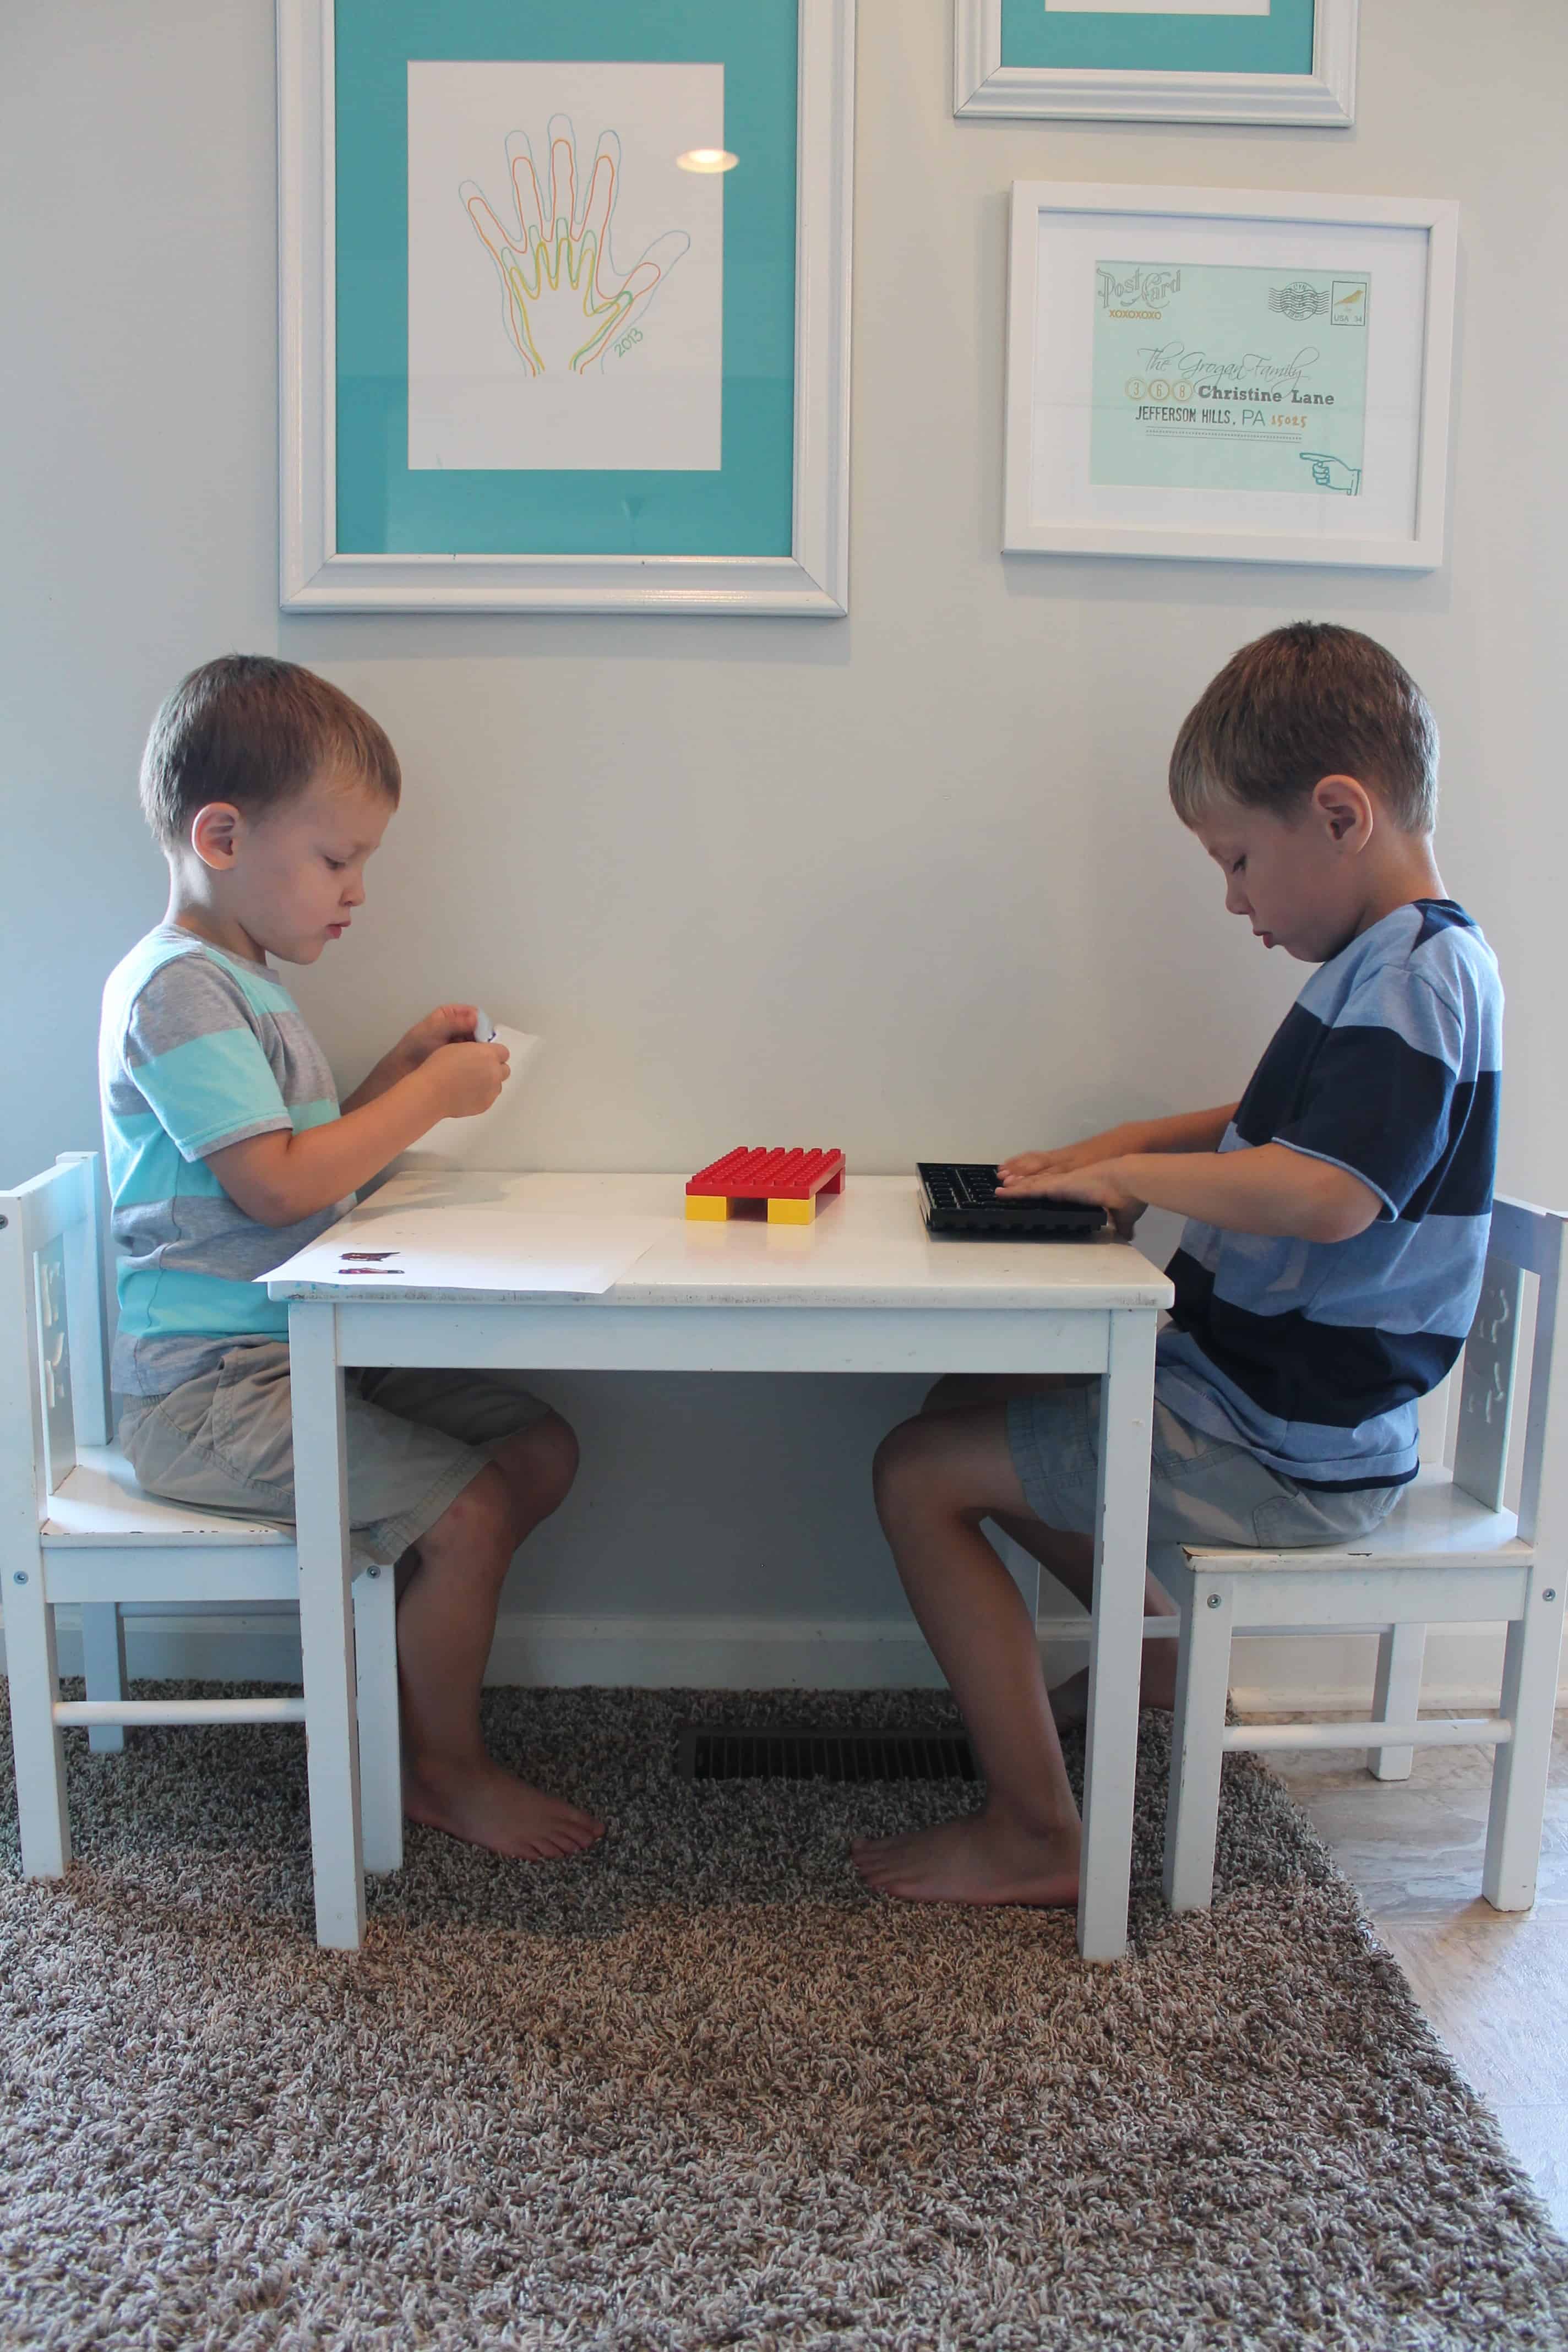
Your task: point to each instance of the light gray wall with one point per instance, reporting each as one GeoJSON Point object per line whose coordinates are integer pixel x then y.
{"type": "Point", "coordinates": [906, 883]}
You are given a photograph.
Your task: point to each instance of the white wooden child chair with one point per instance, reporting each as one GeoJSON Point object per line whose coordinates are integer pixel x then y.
{"type": "Point", "coordinates": [76, 1527]}
{"type": "Point", "coordinates": [1448, 1553]}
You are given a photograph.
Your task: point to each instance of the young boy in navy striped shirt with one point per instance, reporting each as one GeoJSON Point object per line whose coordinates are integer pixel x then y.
{"type": "Point", "coordinates": [1337, 1220]}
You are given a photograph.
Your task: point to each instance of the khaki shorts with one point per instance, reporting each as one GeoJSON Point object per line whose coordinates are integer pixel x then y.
{"type": "Point", "coordinates": [225, 1441]}
{"type": "Point", "coordinates": [1202, 1490]}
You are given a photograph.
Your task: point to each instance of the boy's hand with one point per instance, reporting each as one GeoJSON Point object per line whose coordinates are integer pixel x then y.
{"type": "Point", "coordinates": [1089, 1153]}
{"type": "Point", "coordinates": [1104, 1183]}
{"type": "Point", "coordinates": [1262, 1187]}
{"type": "Point", "coordinates": [445, 1026]}
{"type": "Point", "coordinates": [465, 1079]}
{"type": "Point", "coordinates": [449, 1025]}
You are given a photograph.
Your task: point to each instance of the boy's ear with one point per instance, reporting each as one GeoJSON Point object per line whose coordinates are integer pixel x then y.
{"type": "Point", "coordinates": [1345, 807]}
{"type": "Point", "coordinates": [214, 834]}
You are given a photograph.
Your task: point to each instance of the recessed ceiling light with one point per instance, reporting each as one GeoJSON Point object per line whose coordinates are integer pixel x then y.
{"type": "Point", "coordinates": [707, 158]}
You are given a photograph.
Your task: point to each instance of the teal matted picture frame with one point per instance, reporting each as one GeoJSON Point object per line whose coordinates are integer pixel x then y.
{"type": "Point", "coordinates": [564, 305]}
{"type": "Point", "coordinates": [1270, 61]}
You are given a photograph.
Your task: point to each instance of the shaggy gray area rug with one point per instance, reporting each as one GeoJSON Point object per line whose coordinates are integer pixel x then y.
{"type": "Point", "coordinates": [697, 2088]}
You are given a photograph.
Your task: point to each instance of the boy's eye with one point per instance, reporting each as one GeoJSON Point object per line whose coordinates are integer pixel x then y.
{"type": "Point", "coordinates": [336, 864]}
{"type": "Point", "coordinates": [1239, 865]}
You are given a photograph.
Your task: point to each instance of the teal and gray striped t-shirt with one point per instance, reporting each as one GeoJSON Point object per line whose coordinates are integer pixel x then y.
{"type": "Point", "coordinates": [198, 1049]}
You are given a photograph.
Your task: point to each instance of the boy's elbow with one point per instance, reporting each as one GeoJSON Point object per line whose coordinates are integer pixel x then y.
{"type": "Point", "coordinates": [262, 1197]}
{"type": "Point", "coordinates": [263, 1204]}
{"type": "Point", "coordinates": [1346, 1210]}
{"type": "Point", "coordinates": [259, 1181]}
{"type": "Point", "coordinates": [279, 1212]}
{"type": "Point", "coordinates": [1333, 1226]}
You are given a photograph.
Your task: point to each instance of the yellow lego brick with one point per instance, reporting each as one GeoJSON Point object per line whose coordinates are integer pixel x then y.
{"type": "Point", "coordinates": [707, 1207]}
{"type": "Point", "coordinates": [792, 1213]}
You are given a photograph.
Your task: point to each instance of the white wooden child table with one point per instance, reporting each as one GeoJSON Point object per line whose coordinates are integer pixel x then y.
{"type": "Point", "coordinates": [862, 1289]}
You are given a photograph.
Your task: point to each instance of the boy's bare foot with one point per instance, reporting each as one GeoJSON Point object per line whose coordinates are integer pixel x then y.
{"type": "Point", "coordinates": [1157, 1687]}
{"type": "Point", "coordinates": [979, 1859]}
{"type": "Point", "coordinates": [487, 1806]}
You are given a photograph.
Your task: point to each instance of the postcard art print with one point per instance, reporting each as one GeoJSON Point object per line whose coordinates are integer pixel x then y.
{"type": "Point", "coordinates": [1228, 377]}
{"type": "Point", "coordinates": [566, 273]}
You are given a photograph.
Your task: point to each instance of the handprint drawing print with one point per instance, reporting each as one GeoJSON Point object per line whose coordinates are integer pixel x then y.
{"type": "Point", "coordinates": [564, 302]}
{"type": "Point", "coordinates": [565, 276]}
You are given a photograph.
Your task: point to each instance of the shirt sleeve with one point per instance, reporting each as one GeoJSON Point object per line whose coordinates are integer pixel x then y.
{"type": "Point", "coordinates": [196, 1059]}
{"type": "Point", "coordinates": [1379, 1098]}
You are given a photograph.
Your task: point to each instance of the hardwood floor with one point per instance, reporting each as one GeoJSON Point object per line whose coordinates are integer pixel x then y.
{"type": "Point", "coordinates": [1494, 1984]}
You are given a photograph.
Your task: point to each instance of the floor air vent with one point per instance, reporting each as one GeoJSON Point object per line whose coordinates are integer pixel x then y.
{"type": "Point", "coordinates": [733, 1751]}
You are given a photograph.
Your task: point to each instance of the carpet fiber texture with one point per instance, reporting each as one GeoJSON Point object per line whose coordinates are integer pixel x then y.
{"type": "Point", "coordinates": [697, 2088]}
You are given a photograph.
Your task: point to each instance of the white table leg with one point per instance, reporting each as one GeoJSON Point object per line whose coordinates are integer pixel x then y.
{"type": "Point", "coordinates": [326, 1637]}
{"type": "Point", "coordinates": [380, 1745]}
{"type": "Point", "coordinates": [1116, 1643]}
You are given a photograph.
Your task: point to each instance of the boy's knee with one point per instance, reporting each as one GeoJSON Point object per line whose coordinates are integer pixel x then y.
{"type": "Point", "coordinates": [485, 1506]}
{"type": "Point", "coordinates": [539, 1464]}
{"type": "Point", "coordinates": [902, 1464]}
{"type": "Point", "coordinates": [552, 1454]}
{"type": "Point", "coordinates": [482, 1511]}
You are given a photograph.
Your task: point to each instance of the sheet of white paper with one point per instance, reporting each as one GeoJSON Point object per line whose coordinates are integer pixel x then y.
{"type": "Point", "coordinates": [565, 276]}
{"type": "Point", "coordinates": [486, 1252]}
{"type": "Point", "coordinates": [493, 1140]}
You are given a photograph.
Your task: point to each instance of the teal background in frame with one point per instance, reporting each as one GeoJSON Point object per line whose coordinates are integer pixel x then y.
{"type": "Point", "coordinates": [1280, 43]}
{"type": "Point", "coordinates": [746, 506]}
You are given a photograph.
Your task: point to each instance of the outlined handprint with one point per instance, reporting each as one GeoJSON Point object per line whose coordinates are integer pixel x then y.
{"type": "Point", "coordinates": [564, 302]}
{"type": "Point", "coordinates": [1332, 473]}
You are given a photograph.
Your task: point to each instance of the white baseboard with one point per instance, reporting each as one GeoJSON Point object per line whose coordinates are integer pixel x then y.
{"type": "Point", "coordinates": [1270, 1674]}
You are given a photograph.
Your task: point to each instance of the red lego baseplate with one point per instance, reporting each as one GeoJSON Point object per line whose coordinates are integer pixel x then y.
{"type": "Point", "coordinates": [754, 1173]}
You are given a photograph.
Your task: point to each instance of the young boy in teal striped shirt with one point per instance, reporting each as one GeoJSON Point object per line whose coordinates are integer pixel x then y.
{"type": "Point", "coordinates": [267, 790]}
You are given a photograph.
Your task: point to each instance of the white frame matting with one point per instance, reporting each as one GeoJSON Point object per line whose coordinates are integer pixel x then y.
{"type": "Point", "coordinates": [1050, 508]}
{"type": "Point", "coordinates": [314, 575]}
{"type": "Point", "coordinates": [1324, 98]}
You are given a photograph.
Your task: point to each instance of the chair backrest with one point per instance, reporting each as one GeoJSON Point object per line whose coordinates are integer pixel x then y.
{"type": "Point", "coordinates": [1524, 1241]}
{"type": "Point", "coordinates": [53, 1337]}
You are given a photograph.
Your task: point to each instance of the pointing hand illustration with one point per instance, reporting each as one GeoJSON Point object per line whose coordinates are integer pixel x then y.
{"type": "Point", "coordinates": [564, 302]}
{"type": "Point", "coordinates": [1332, 473]}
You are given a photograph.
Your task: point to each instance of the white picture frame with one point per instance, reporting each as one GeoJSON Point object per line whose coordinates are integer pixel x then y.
{"type": "Point", "coordinates": [1051, 503]}
{"type": "Point", "coordinates": [986, 88]}
{"type": "Point", "coordinates": [315, 575]}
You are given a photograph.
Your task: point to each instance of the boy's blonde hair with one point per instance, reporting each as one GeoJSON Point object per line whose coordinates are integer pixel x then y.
{"type": "Point", "coordinates": [253, 730]}
{"type": "Point", "coordinates": [1304, 703]}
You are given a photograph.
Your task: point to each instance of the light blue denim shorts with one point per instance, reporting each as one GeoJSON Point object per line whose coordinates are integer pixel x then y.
{"type": "Point", "coordinates": [1202, 1489]}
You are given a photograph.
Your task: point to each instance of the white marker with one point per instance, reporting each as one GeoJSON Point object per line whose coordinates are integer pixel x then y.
{"type": "Point", "coordinates": [484, 1027]}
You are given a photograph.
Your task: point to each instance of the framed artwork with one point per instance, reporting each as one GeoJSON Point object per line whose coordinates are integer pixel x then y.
{"type": "Point", "coordinates": [1158, 60]}
{"type": "Point", "coordinates": [564, 305]}
{"type": "Point", "coordinates": [1228, 373]}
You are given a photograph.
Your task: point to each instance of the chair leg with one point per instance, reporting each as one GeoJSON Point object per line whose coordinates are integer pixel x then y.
{"type": "Point", "coordinates": [33, 1677]}
{"type": "Point", "coordinates": [380, 1750]}
{"type": "Point", "coordinates": [1519, 1770]}
{"type": "Point", "coordinates": [1400, 1654]}
{"type": "Point", "coordinates": [103, 1665]}
{"type": "Point", "coordinates": [1197, 1734]}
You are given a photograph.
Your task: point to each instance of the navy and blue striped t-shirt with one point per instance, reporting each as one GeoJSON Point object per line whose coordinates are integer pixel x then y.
{"type": "Point", "coordinates": [1312, 1354]}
